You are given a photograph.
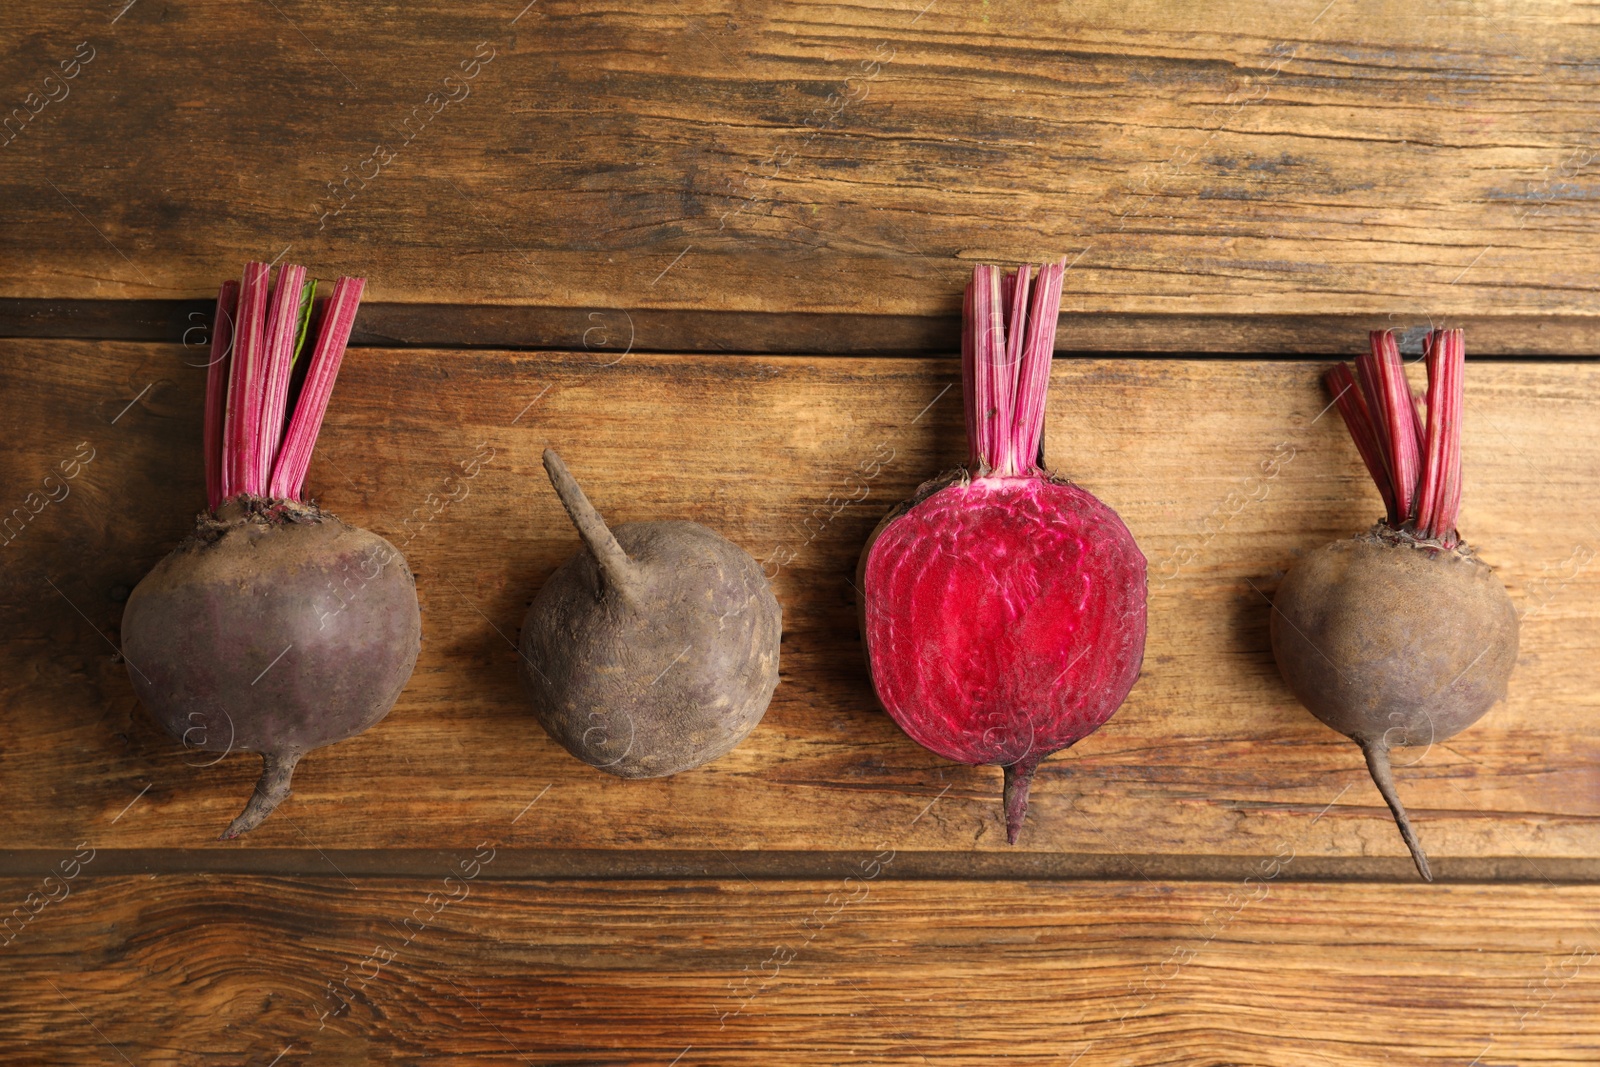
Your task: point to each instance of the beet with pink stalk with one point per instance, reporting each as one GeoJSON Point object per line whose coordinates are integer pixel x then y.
{"type": "Point", "coordinates": [1003, 608]}
{"type": "Point", "coordinates": [1399, 636]}
{"type": "Point", "coordinates": [273, 627]}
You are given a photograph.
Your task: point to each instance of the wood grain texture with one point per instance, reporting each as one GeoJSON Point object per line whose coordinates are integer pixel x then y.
{"type": "Point", "coordinates": [1224, 470]}
{"type": "Point", "coordinates": [174, 971]}
{"type": "Point", "coordinates": [1362, 158]}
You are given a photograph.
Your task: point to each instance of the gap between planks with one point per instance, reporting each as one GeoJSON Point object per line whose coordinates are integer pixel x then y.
{"type": "Point", "coordinates": [722, 865]}
{"type": "Point", "coordinates": [711, 332]}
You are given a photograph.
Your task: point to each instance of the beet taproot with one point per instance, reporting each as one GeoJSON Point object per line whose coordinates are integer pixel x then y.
{"type": "Point", "coordinates": [273, 627]}
{"type": "Point", "coordinates": [1400, 636]}
{"type": "Point", "coordinates": [654, 649]}
{"type": "Point", "coordinates": [1003, 608]}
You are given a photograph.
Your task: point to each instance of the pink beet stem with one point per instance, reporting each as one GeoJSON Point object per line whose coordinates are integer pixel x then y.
{"type": "Point", "coordinates": [988, 342]}
{"type": "Point", "coordinates": [217, 389]}
{"type": "Point", "coordinates": [1008, 338]}
{"type": "Point", "coordinates": [239, 462]}
{"type": "Point", "coordinates": [283, 325]}
{"type": "Point", "coordinates": [1455, 403]}
{"type": "Point", "coordinates": [338, 319]}
{"type": "Point", "coordinates": [1366, 377]}
{"type": "Point", "coordinates": [969, 357]}
{"type": "Point", "coordinates": [1353, 408]}
{"type": "Point", "coordinates": [1419, 420]}
{"type": "Point", "coordinates": [1397, 420]}
{"type": "Point", "coordinates": [1033, 382]}
{"type": "Point", "coordinates": [1015, 289]}
{"type": "Point", "coordinates": [1380, 374]}
{"type": "Point", "coordinates": [1414, 456]}
{"type": "Point", "coordinates": [1439, 501]}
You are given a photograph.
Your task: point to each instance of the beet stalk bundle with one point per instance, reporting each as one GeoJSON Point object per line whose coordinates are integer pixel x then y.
{"type": "Point", "coordinates": [1399, 636]}
{"type": "Point", "coordinates": [1003, 608]}
{"type": "Point", "coordinates": [273, 627]}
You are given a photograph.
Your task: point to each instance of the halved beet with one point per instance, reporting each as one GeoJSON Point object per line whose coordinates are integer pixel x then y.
{"type": "Point", "coordinates": [1003, 608]}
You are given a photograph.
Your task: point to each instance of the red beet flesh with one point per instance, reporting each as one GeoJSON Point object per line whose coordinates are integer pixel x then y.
{"type": "Point", "coordinates": [1004, 609]}
{"type": "Point", "coordinates": [1006, 621]}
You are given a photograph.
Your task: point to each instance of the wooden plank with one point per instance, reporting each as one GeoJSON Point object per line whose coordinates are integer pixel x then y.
{"type": "Point", "coordinates": [1369, 158]}
{"type": "Point", "coordinates": [1223, 470]}
{"type": "Point", "coordinates": [179, 971]}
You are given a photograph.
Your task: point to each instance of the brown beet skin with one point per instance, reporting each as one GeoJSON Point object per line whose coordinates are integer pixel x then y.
{"type": "Point", "coordinates": [655, 648]}
{"type": "Point", "coordinates": [1394, 642]}
{"type": "Point", "coordinates": [273, 635]}
{"type": "Point", "coordinates": [1424, 640]}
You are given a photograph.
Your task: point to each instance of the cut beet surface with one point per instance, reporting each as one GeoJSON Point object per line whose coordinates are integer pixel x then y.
{"type": "Point", "coordinates": [1005, 634]}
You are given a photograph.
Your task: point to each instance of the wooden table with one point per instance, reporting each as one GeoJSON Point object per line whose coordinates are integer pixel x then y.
{"type": "Point", "coordinates": [713, 254]}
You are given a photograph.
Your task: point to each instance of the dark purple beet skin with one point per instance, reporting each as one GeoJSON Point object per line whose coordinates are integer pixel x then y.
{"type": "Point", "coordinates": [277, 634]}
{"type": "Point", "coordinates": [654, 649]}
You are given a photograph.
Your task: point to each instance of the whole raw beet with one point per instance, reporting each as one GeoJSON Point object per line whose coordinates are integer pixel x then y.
{"type": "Point", "coordinates": [275, 630]}
{"type": "Point", "coordinates": [655, 648]}
{"type": "Point", "coordinates": [1357, 652]}
{"type": "Point", "coordinates": [1399, 636]}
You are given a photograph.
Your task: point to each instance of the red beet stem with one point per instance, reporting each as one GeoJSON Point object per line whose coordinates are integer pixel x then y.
{"type": "Point", "coordinates": [244, 385]}
{"type": "Point", "coordinates": [1419, 419]}
{"type": "Point", "coordinates": [988, 346]}
{"type": "Point", "coordinates": [1417, 470]}
{"type": "Point", "coordinates": [283, 325]}
{"type": "Point", "coordinates": [1439, 501]}
{"type": "Point", "coordinates": [1015, 288]}
{"type": "Point", "coordinates": [1347, 395]}
{"type": "Point", "coordinates": [1033, 381]}
{"type": "Point", "coordinates": [338, 319]}
{"type": "Point", "coordinates": [1396, 420]}
{"type": "Point", "coordinates": [1007, 343]}
{"type": "Point", "coordinates": [1381, 377]}
{"type": "Point", "coordinates": [217, 388]}
{"type": "Point", "coordinates": [969, 361]}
